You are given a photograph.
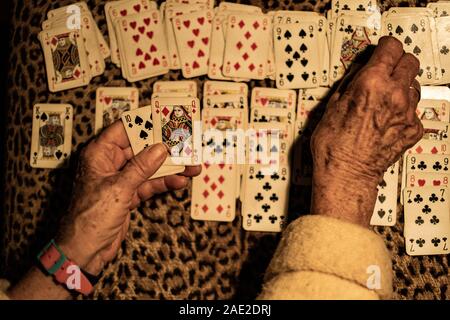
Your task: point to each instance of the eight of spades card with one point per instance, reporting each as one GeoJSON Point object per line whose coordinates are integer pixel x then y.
{"type": "Point", "coordinates": [111, 103]}
{"type": "Point", "coordinates": [385, 212]}
{"type": "Point", "coordinates": [297, 62]}
{"type": "Point", "coordinates": [265, 195]}
{"type": "Point", "coordinates": [51, 141]}
{"type": "Point", "coordinates": [427, 220]}
{"type": "Point", "coordinates": [174, 120]}
{"type": "Point", "coordinates": [416, 39]}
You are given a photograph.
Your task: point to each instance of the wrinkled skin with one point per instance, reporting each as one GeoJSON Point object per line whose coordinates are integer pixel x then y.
{"type": "Point", "coordinates": [110, 182]}
{"type": "Point", "coordinates": [369, 122]}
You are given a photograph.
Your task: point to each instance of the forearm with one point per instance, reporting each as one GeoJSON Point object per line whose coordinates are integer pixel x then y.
{"type": "Point", "coordinates": [35, 285]}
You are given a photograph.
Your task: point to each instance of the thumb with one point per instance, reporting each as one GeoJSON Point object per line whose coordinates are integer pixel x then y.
{"type": "Point", "coordinates": [139, 169]}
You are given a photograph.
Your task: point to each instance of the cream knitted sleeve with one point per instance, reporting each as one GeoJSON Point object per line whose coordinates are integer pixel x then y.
{"type": "Point", "coordinates": [325, 258]}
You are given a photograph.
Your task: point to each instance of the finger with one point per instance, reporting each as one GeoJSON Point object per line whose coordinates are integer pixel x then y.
{"type": "Point", "coordinates": [406, 70]}
{"type": "Point", "coordinates": [387, 54]}
{"type": "Point", "coordinates": [140, 168]}
{"type": "Point", "coordinates": [115, 134]}
{"type": "Point", "coordinates": [128, 152]}
{"type": "Point", "coordinates": [192, 171]}
{"type": "Point", "coordinates": [160, 185]}
{"type": "Point", "coordinates": [414, 97]}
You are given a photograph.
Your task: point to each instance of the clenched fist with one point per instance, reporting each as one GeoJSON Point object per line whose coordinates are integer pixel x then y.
{"type": "Point", "coordinates": [369, 122]}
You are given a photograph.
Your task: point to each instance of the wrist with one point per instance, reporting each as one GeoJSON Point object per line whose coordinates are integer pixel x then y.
{"type": "Point", "coordinates": [344, 196]}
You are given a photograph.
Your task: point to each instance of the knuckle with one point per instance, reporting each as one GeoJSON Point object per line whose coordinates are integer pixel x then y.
{"type": "Point", "coordinates": [392, 44]}
{"type": "Point", "coordinates": [400, 97]}
{"type": "Point", "coordinates": [139, 166]}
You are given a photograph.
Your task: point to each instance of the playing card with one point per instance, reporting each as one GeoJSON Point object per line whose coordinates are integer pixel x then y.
{"type": "Point", "coordinates": [288, 17]}
{"type": "Point", "coordinates": [433, 110]}
{"type": "Point", "coordinates": [111, 103]}
{"type": "Point", "coordinates": [118, 9]}
{"type": "Point", "coordinates": [435, 92]}
{"type": "Point", "coordinates": [267, 114]}
{"type": "Point", "coordinates": [237, 7]}
{"type": "Point", "coordinates": [265, 203]}
{"type": "Point", "coordinates": [138, 124]}
{"type": "Point", "coordinates": [427, 222]}
{"type": "Point", "coordinates": [142, 44]}
{"type": "Point", "coordinates": [339, 6]}
{"type": "Point", "coordinates": [65, 59]}
{"type": "Point", "coordinates": [51, 141]}
{"type": "Point", "coordinates": [174, 121]}
{"type": "Point", "coordinates": [427, 163]}
{"type": "Point", "coordinates": [440, 8]}
{"type": "Point", "coordinates": [193, 36]}
{"type": "Point", "coordinates": [70, 14]}
{"type": "Point", "coordinates": [90, 40]}
{"type": "Point", "coordinates": [247, 46]}
{"type": "Point", "coordinates": [273, 98]}
{"type": "Point", "coordinates": [225, 147]}
{"type": "Point", "coordinates": [385, 211]}
{"type": "Point", "coordinates": [315, 94]}
{"type": "Point", "coordinates": [416, 37]}
{"type": "Point", "coordinates": [353, 35]}
{"type": "Point", "coordinates": [235, 101]}
{"type": "Point", "coordinates": [435, 130]}
{"type": "Point", "coordinates": [209, 3]}
{"type": "Point", "coordinates": [217, 48]}
{"type": "Point", "coordinates": [423, 179]}
{"type": "Point", "coordinates": [173, 87]}
{"type": "Point", "coordinates": [443, 41]}
{"type": "Point", "coordinates": [211, 88]}
{"type": "Point", "coordinates": [213, 193]}
{"type": "Point", "coordinates": [170, 14]}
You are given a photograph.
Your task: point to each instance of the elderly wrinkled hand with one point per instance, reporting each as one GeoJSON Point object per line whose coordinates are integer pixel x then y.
{"type": "Point", "coordinates": [369, 122]}
{"type": "Point", "coordinates": [110, 182]}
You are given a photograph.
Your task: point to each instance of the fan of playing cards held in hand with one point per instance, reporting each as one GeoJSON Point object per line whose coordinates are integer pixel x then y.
{"type": "Point", "coordinates": [245, 145]}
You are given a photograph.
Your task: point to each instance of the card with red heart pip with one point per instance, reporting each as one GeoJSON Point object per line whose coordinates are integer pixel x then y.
{"type": "Point", "coordinates": [193, 34]}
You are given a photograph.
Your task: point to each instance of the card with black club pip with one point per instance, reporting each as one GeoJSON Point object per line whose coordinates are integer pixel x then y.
{"type": "Point", "coordinates": [51, 141]}
{"type": "Point", "coordinates": [353, 34]}
{"type": "Point", "coordinates": [176, 121]}
{"type": "Point", "coordinates": [427, 220]}
{"type": "Point", "coordinates": [111, 102]}
{"type": "Point", "coordinates": [385, 211]}
{"type": "Point", "coordinates": [138, 124]}
{"type": "Point", "coordinates": [265, 199]}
